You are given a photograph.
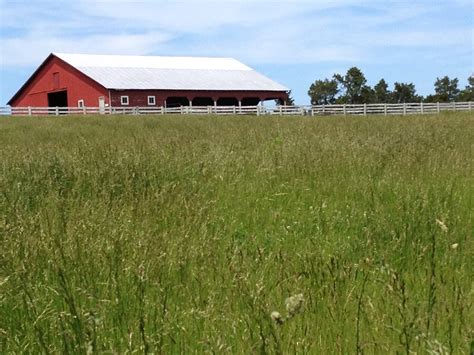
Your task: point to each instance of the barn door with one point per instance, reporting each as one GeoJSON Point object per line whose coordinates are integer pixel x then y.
{"type": "Point", "coordinates": [101, 105]}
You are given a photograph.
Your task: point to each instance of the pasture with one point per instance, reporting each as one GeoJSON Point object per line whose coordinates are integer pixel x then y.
{"type": "Point", "coordinates": [182, 234]}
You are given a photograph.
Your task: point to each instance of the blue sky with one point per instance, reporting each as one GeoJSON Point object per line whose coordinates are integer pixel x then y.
{"type": "Point", "coordinates": [293, 42]}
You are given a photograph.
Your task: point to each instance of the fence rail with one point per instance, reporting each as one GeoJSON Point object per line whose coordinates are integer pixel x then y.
{"type": "Point", "coordinates": [317, 110]}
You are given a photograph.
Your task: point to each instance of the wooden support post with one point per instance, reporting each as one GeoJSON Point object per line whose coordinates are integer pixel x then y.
{"type": "Point", "coordinates": [421, 107]}
{"type": "Point", "coordinates": [57, 110]}
{"type": "Point", "coordinates": [404, 109]}
{"type": "Point", "coordinates": [454, 106]}
{"type": "Point", "coordinates": [437, 107]}
{"type": "Point", "coordinates": [365, 109]}
{"type": "Point", "coordinates": [469, 105]}
{"type": "Point", "coordinates": [344, 109]}
{"type": "Point", "coordinates": [385, 109]}
{"type": "Point", "coordinates": [29, 110]}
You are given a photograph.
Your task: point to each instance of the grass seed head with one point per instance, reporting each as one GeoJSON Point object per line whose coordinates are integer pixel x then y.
{"type": "Point", "coordinates": [442, 225]}
{"type": "Point", "coordinates": [294, 304]}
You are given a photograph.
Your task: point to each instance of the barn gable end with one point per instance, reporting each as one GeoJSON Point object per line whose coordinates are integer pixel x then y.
{"type": "Point", "coordinates": [54, 76]}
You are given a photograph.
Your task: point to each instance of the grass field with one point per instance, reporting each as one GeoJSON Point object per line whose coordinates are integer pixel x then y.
{"type": "Point", "coordinates": [183, 234]}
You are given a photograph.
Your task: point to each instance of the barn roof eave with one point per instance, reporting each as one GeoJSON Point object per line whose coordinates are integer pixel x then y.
{"type": "Point", "coordinates": [198, 89]}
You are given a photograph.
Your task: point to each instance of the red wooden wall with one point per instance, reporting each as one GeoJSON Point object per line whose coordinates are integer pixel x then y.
{"type": "Point", "coordinates": [140, 97]}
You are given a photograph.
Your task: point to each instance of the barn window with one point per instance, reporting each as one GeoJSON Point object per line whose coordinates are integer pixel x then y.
{"type": "Point", "coordinates": [80, 103]}
{"type": "Point", "coordinates": [151, 101]}
{"type": "Point", "coordinates": [124, 100]}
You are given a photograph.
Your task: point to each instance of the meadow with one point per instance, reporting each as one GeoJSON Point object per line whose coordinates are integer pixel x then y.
{"type": "Point", "coordinates": [184, 234]}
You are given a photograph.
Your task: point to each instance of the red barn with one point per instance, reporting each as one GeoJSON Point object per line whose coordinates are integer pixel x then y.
{"type": "Point", "coordinates": [76, 80]}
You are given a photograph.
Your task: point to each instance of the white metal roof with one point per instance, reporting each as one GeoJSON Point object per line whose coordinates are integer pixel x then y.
{"type": "Point", "coordinates": [170, 73]}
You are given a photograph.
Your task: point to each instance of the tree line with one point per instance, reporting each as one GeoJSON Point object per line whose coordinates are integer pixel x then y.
{"type": "Point", "coordinates": [352, 88]}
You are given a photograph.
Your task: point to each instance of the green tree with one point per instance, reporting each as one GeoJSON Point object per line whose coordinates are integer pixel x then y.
{"type": "Point", "coordinates": [289, 101]}
{"type": "Point", "coordinates": [446, 89]}
{"type": "Point", "coordinates": [353, 86]}
{"type": "Point", "coordinates": [367, 95]}
{"type": "Point", "coordinates": [405, 92]}
{"type": "Point", "coordinates": [323, 92]}
{"type": "Point", "coordinates": [468, 93]}
{"type": "Point", "coordinates": [381, 92]}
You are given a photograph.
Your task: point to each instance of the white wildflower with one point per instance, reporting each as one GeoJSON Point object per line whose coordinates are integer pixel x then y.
{"type": "Point", "coordinates": [442, 225]}
{"type": "Point", "coordinates": [294, 304]}
{"type": "Point", "coordinates": [277, 318]}
{"type": "Point", "coordinates": [454, 246]}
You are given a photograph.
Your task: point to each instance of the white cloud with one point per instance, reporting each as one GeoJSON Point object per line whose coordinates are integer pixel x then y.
{"type": "Point", "coordinates": [191, 16]}
{"type": "Point", "coordinates": [264, 31]}
{"type": "Point", "coordinates": [35, 47]}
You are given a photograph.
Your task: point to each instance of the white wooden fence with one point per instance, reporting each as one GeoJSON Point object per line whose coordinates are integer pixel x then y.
{"type": "Point", "coordinates": [317, 110]}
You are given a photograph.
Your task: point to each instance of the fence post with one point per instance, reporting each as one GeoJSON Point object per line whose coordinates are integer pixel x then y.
{"type": "Point", "coordinates": [404, 109]}
{"type": "Point", "coordinates": [365, 109]}
{"type": "Point", "coordinates": [421, 107]}
{"type": "Point", "coordinates": [280, 110]}
{"type": "Point", "coordinates": [312, 110]}
{"type": "Point", "coordinates": [385, 109]}
{"type": "Point", "coordinates": [324, 109]}
{"type": "Point", "coordinates": [469, 105]}
{"type": "Point", "coordinates": [437, 107]}
{"type": "Point", "coordinates": [344, 109]}
{"type": "Point", "coordinates": [29, 110]}
{"type": "Point", "coordinates": [454, 106]}
{"type": "Point", "coordinates": [57, 111]}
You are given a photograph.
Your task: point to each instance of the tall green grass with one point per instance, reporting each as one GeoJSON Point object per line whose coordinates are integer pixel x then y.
{"type": "Point", "coordinates": [183, 234]}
